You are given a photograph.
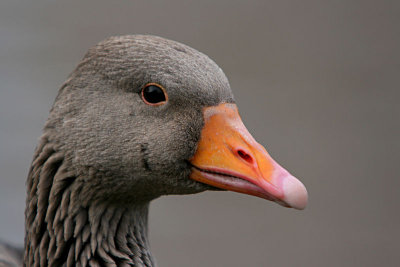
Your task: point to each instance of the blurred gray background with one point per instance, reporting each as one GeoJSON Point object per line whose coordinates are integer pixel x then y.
{"type": "Point", "coordinates": [317, 83]}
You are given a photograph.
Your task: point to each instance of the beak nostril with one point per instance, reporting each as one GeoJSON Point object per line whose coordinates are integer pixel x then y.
{"type": "Point", "coordinates": [245, 156]}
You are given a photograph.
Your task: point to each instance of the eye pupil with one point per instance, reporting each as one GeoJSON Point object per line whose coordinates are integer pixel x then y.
{"type": "Point", "coordinates": [153, 94]}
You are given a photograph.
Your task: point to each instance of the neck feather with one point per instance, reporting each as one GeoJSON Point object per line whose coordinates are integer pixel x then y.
{"type": "Point", "coordinates": [62, 230]}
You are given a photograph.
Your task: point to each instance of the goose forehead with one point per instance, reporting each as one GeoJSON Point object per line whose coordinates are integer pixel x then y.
{"type": "Point", "coordinates": [137, 59]}
{"type": "Point", "coordinates": [151, 52]}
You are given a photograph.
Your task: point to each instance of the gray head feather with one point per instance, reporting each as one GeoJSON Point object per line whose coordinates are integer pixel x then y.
{"type": "Point", "coordinates": [100, 120]}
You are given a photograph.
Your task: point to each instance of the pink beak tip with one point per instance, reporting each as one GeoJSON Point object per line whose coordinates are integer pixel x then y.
{"type": "Point", "coordinates": [295, 193]}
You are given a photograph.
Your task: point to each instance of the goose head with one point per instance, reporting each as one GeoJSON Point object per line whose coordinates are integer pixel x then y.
{"type": "Point", "coordinates": [146, 116]}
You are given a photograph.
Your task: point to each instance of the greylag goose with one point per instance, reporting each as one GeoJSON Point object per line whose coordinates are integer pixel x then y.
{"type": "Point", "coordinates": [140, 117]}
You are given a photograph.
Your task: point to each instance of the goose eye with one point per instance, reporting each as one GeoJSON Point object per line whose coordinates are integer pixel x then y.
{"type": "Point", "coordinates": [154, 94]}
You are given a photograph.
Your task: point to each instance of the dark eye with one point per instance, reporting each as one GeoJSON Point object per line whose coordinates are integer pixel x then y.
{"type": "Point", "coordinates": [154, 94]}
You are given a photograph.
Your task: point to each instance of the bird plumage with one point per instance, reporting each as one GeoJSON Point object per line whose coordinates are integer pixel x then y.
{"type": "Point", "coordinates": [105, 153]}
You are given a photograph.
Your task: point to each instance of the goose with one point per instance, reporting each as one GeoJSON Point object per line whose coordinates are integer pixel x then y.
{"type": "Point", "coordinates": [140, 117]}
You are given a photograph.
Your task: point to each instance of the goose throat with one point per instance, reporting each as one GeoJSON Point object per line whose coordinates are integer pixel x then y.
{"type": "Point", "coordinates": [63, 230]}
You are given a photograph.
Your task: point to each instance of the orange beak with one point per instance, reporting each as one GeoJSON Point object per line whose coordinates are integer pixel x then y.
{"type": "Point", "coordinates": [228, 157]}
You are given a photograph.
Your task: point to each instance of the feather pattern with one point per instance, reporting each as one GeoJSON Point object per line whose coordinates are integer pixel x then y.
{"type": "Point", "coordinates": [94, 235]}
